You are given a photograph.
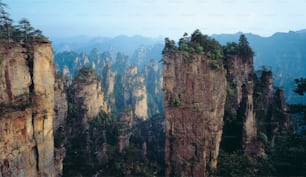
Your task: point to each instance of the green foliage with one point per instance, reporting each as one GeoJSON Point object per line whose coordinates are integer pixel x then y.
{"type": "Point", "coordinates": [229, 91]}
{"type": "Point", "coordinates": [59, 138]}
{"type": "Point", "coordinates": [216, 64]}
{"type": "Point", "coordinates": [21, 32]}
{"type": "Point", "coordinates": [73, 113]}
{"type": "Point", "coordinates": [196, 107]}
{"type": "Point", "coordinates": [300, 85]}
{"type": "Point", "coordinates": [231, 49]}
{"type": "Point", "coordinates": [184, 47]}
{"type": "Point", "coordinates": [289, 153]}
{"type": "Point", "coordinates": [175, 101]}
{"type": "Point", "coordinates": [244, 49]}
{"type": "Point", "coordinates": [169, 45]}
{"type": "Point", "coordinates": [289, 157]}
{"type": "Point", "coordinates": [101, 121]}
{"type": "Point", "coordinates": [196, 43]}
{"type": "Point", "coordinates": [238, 165]}
{"type": "Point", "coordinates": [264, 139]}
{"type": "Point", "coordinates": [86, 71]}
{"type": "Point", "coordinates": [296, 108]}
{"type": "Point", "coordinates": [199, 49]}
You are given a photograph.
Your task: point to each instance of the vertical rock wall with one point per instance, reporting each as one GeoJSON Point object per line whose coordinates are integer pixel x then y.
{"type": "Point", "coordinates": [240, 103]}
{"type": "Point", "coordinates": [27, 102]}
{"type": "Point", "coordinates": [194, 99]}
{"type": "Point", "coordinates": [135, 92]}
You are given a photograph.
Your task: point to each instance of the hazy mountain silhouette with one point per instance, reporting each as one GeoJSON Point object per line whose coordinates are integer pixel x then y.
{"type": "Point", "coordinates": [284, 53]}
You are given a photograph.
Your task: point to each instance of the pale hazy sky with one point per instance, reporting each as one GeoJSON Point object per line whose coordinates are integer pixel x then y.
{"type": "Point", "coordinates": [159, 17]}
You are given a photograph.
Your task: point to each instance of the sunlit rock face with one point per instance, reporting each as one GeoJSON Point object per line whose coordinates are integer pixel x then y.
{"type": "Point", "coordinates": [27, 109]}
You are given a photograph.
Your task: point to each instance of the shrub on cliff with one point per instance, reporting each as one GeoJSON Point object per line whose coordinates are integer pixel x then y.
{"type": "Point", "coordinates": [236, 164]}
{"type": "Point", "coordinates": [169, 45]}
{"type": "Point", "coordinates": [196, 43]}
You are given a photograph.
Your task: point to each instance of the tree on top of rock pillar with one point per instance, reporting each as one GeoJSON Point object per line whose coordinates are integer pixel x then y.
{"type": "Point", "coordinates": [244, 49]}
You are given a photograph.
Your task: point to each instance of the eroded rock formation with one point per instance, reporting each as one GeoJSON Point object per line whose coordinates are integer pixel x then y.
{"type": "Point", "coordinates": [194, 99]}
{"type": "Point", "coordinates": [87, 93]}
{"type": "Point", "coordinates": [240, 103]}
{"type": "Point", "coordinates": [135, 92]}
{"type": "Point", "coordinates": [27, 102]}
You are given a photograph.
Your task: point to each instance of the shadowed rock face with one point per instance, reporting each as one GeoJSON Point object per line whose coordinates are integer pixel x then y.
{"type": "Point", "coordinates": [240, 77]}
{"type": "Point", "coordinates": [194, 99]}
{"type": "Point", "coordinates": [61, 111]}
{"type": "Point", "coordinates": [27, 102]}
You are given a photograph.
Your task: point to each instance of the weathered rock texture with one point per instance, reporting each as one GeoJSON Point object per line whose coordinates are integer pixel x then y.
{"type": "Point", "coordinates": [270, 107]}
{"type": "Point", "coordinates": [135, 92]}
{"type": "Point", "coordinates": [86, 144]}
{"type": "Point", "coordinates": [87, 93]}
{"type": "Point", "coordinates": [61, 111]}
{"type": "Point", "coordinates": [240, 77]}
{"type": "Point", "coordinates": [61, 104]}
{"type": "Point", "coordinates": [27, 102]}
{"type": "Point", "coordinates": [153, 80]}
{"type": "Point", "coordinates": [254, 110]}
{"type": "Point", "coordinates": [240, 71]}
{"type": "Point", "coordinates": [194, 99]}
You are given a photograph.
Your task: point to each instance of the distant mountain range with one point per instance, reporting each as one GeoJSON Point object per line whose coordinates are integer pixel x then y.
{"type": "Point", "coordinates": [123, 44]}
{"type": "Point", "coordinates": [284, 53]}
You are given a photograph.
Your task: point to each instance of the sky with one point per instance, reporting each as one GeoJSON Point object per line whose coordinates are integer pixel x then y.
{"type": "Point", "coordinates": [153, 18]}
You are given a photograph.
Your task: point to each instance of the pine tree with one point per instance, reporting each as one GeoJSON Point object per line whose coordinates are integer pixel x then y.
{"type": "Point", "coordinates": [244, 48]}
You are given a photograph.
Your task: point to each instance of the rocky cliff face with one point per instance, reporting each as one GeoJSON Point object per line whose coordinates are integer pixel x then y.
{"type": "Point", "coordinates": [27, 102]}
{"type": "Point", "coordinates": [135, 92]}
{"type": "Point", "coordinates": [270, 107]}
{"type": "Point", "coordinates": [194, 99]}
{"type": "Point", "coordinates": [253, 108]}
{"type": "Point", "coordinates": [153, 79]}
{"type": "Point", "coordinates": [61, 104]}
{"type": "Point", "coordinates": [88, 94]}
{"type": "Point", "coordinates": [59, 122]}
{"type": "Point", "coordinates": [240, 71]}
{"type": "Point", "coordinates": [240, 103]}
{"type": "Point", "coordinates": [86, 144]}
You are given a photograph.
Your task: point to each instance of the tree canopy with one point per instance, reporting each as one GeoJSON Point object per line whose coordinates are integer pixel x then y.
{"type": "Point", "coordinates": [196, 43]}
{"type": "Point", "coordinates": [244, 48]}
{"type": "Point", "coordinates": [23, 31]}
{"type": "Point", "coordinates": [300, 86]}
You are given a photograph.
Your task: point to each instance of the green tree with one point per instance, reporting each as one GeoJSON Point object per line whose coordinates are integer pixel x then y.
{"type": "Point", "coordinates": [244, 48]}
{"type": "Point", "coordinates": [5, 21]}
{"type": "Point", "coordinates": [289, 155]}
{"type": "Point", "coordinates": [300, 86]}
{"type": "Point", "coordinates": [183, 42]}
{"type": "Point", "coordinates": [209, 46]}
{"type": "Point", "coordinates": [169, 45]}
{"type": "Point", "coordinates": [25, 28]}
{"type": "Point", "coordinates": [231, 49]}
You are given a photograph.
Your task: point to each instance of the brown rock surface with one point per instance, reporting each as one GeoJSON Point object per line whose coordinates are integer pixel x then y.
{"type": "Point", "coordinates": [194, 98]}
{"type": "Point", "coordinates": [87, 93]}
{"type": "Point", "coordinates": [27, 102]}
{"type": "Point", "coordinates": [135, 92]}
